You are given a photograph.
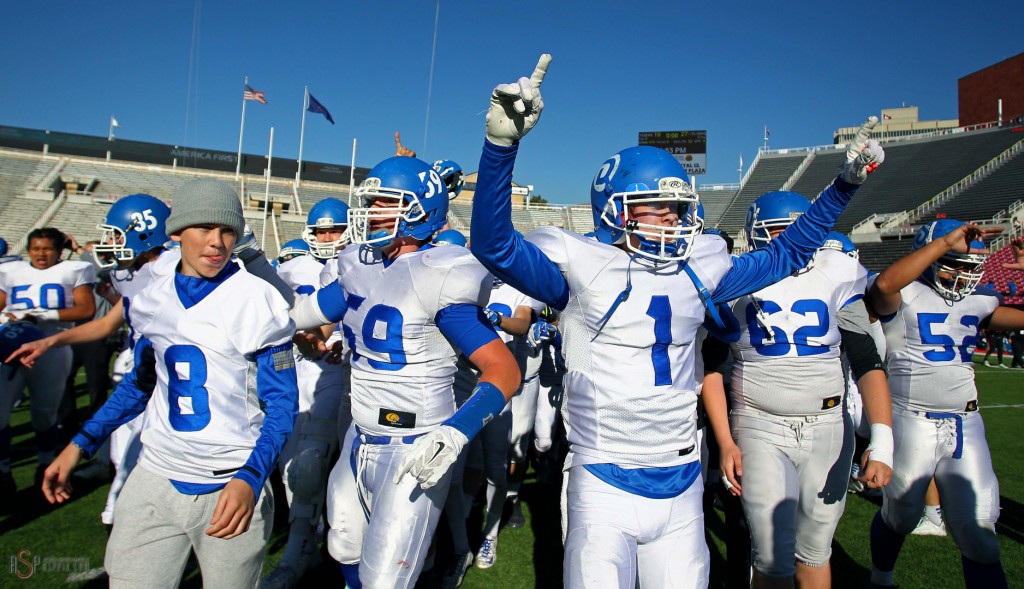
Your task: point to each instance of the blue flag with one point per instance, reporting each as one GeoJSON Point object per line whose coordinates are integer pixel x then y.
{"type": "Point", "coordinates": [315, 106]}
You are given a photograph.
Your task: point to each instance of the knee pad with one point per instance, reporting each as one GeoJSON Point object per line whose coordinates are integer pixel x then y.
{"type": "Point", "coordinates": [976, 541]}
{"type": "Point", "coordinates": [594, 555]}
{"type": "Point", "coordinates": [307, 477]}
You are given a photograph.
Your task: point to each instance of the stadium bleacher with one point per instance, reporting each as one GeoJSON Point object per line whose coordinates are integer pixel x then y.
{"type": "Point", "coordinates": [769, 173]}
{"type": "Point", "coordinates": [986, 198]}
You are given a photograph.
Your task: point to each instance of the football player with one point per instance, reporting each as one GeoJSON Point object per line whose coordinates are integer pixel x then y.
{"type": "Point", "coordinates": [215, 376]}
{"type": "Point", "coordinates": [452, 176]}
{"type": "Point", "coordinates": [52, 293]}
{"type": "Point", "coordinates": [631, 302]}
{"type": "Point", "coordinates": [291, 249]}
{"type": "Point", "coordinates": [405, 309]}
{"type": "Point", "coordinates": [932, 310]}
{"type": "Point", "coordinates": [305, 459]}
{"type": "Point", "coordinates": [4, 258]}
{"type": "Point", "coordinates": [786, 415]}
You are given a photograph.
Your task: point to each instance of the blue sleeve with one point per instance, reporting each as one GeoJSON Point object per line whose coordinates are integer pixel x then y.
{"type": "Point", "coordinates": [331, 300]}
{"type": "Point", "coordinates": [466, 326]}
{"type": "Point", "coordinates": [278, 392]}
{"type": "Point", "coordinates": [127, 401]}
{"type": "Point", "coordinates": [788, 252]}
{"type": "Point", "coordinates": [495, 242]}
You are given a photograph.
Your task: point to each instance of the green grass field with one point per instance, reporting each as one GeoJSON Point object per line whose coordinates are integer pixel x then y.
{"type": "Point", "coordinates": [64, 542]}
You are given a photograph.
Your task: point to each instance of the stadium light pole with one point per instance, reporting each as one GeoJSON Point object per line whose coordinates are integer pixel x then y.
{"type": "Point", "coordinates": [352, 172]}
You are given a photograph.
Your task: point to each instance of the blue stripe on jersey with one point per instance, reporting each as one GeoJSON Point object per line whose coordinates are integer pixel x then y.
{"type": "Point", "coordinates": [653, 483]}
{"type": "Point", "coordinates": [192, 289]}
{"type": "Point", "coordinates": [332, 303]}
{"type": "Point", "coordinates": [278, 391]}
{"type": "Point", "coordinates": [466, 326]}
{"type": "Point", "coordinates": [852, 299]}
{"type": "Point", "coordinates": [788, 252]}
{"type": "Point", "coordinates": [198, 488]}
{"type": "Point", "coordinates": [498, 246]}
{"type": "Point", "coordinates": [128, 400]}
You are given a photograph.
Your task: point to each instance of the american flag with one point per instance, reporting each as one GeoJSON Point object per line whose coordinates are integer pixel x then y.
{"type": "Point", "coordinates": [256, 95]}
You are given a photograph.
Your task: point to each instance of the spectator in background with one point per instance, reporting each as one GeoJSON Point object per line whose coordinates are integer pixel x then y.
{"type": "Point", "coordinates": [994, 343]}
{"type": "Point", "coordinates": [1017, 345]}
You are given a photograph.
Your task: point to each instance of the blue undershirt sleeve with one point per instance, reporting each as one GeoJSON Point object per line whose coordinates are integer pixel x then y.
{"type": "Point", "coordinates": [466, 326]}
{"type": "Point", "coordinates": [278, 392]}
{"type": "Point", "coordinates": [788, 252]}
{"type": "Point", "coordinates": [331, 300]}
{"type": "Point", "coordinates": [127, 401]}
{"type": "Point", "coordinates": [495, 242]}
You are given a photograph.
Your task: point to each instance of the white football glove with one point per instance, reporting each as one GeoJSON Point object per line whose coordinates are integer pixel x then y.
{"type": "Point", "coordinates": [863, 156]}
{"type": "Point", "coordinates": [493, 317]}
{"type": "Point", "coordinates": [432, 455]}
{"type": "Point", "coordinates": [516, 107]}
{"type": "Point", "coordinates": [540, 333]}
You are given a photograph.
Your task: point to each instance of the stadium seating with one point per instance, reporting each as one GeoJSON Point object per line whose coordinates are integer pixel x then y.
{"type": "Point", "coordinates": [877, 256]}
{"type": "Point", "coordinates": [1000, 277]}
{"type": "Point", "coordinates": [21, 171]}
{"type": "Point", "coordinates": [716, 199]}
{"type": "Point", "coordinates": [769, 173]}
{"type": "Point", "coordinates": [986, 198]}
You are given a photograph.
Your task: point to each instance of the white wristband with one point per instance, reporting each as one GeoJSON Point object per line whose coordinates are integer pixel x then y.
{"type": "Point", "coordinates": [881, 446]}
{"type": "Point", "coordinates": [46, 314]}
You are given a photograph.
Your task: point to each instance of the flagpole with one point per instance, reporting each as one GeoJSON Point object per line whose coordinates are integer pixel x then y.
{"type": "Point", "coordinates": [241, 131]}
{"type": "Point", "coordinates": [110, 131]}
{"type": "Point", "coordinates": [766, 137]}
{"type": "Point", "coordinates": [266, 192]}
{"type": "Point", "coordinates": [352, 172]}
{"type": "Point", "coordinates": [302, 135]}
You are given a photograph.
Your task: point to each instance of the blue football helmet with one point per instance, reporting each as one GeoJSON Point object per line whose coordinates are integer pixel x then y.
{"type": "Point", "coordinates": [15, 333]}
{"type": "Point", "coordinates": [773, 210]}
{"type": "Point", "coordinates": [327, 214]}
{"type": "Point", "coordinates": [292, 249]}
{"type": "Point", "coordinates": [452, 176]}
{"type": "Point", "coordinates": [3, 247]}
{"type": "Point", "coordinates": [698, 218]}
{"type": "Point", "coordinates": [135, 224]}
{"type": "Point", "coordinates": [840, 243]}
{"type": "Point", "coordinates": [450, 237]}
{"type": "Point", "coordinates": [644, 175]}
{"type": "Point", "coordinates": [954, 276]}
{"type": "Point", "coordinates": [401, 197]}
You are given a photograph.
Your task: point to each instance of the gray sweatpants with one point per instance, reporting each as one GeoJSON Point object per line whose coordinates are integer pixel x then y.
{"type": "Point", "coordinates": [155, 526]}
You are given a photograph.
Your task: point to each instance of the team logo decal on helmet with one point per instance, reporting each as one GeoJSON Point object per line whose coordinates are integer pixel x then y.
{"type": "Point", "coordinates": [840, 243]}
{"type": "Point", "coordinates": [452, 176]}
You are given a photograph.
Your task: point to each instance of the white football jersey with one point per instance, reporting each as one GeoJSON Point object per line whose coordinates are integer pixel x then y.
{"type": "Point", "coordinates": [204, 417]}
{"type": "Point", "coordinates": [930, 344]}
{"type": "Point", "coordinates": [786, 342]}
{"type": "Point", "coordinates": [301, 274]}
{"type": "Point", "coordinates": [505, 300]}
{"type": "Point", "coordinates": [402, 365]}
{"type": "Point", "coordinates": [27, 287]}
{"type": "Point", "coordinates": [629, 391]}
{"type": "Point", "coordinates": [130, 282]}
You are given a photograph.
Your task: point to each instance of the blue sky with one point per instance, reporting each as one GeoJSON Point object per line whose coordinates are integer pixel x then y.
{"type": "Point", "coordinates": [801, 68]}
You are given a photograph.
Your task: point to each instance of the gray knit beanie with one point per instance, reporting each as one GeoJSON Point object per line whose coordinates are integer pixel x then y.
{"type": "Point", "coordinates": [205, 201]}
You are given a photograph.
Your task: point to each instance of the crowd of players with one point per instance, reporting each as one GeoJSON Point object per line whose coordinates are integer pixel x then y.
{"type": "Point", "coordinates": [389, 372]}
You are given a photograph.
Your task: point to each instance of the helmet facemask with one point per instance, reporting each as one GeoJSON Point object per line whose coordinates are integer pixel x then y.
{"type": "Point", "coordinates": [325, 250]}
{"type": "Point", "coordinates": [954, 276]}
{"type": "Point", "coordinates": [385, 214]}
{"type": "Point", "coordinates": [658, 243]}
{"type": "Point", "coordinates": [761, 229]}
{"type": "Point", "coordinates": [111, 249]}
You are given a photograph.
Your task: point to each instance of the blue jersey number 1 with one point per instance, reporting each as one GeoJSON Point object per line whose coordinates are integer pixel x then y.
{"type": "Point", "coordinates": [660, 310]}
{"type": "Point", "coordinates": [186, 391]}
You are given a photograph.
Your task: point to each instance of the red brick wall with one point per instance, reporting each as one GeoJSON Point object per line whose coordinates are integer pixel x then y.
{"type": "Point", "coordinates": [980, 92]}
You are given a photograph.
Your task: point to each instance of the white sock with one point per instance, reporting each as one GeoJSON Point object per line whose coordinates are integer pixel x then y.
{"type": "Point", "coordinates": [934, 514]}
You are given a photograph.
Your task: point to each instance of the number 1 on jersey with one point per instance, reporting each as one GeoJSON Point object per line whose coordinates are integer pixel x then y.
{"type": "Point", "coordinates": [660, 310]}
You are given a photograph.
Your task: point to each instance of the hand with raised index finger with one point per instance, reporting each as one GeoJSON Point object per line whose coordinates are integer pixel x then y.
{"type": "Point", "coordinates": [863, 155]}
{"type": "Point", "coordinates": [401, 149]}
{"type": "Point", "coordinates": [516, 107]}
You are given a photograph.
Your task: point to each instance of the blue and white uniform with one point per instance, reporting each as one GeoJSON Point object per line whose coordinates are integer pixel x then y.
{"type": "Point", "coordinates": [30, 290]}
{"type": "Point", "coordinates": [937, 427]}
{"type": "Point", "coordinates": [629, 332]}
{"type": "Point", "coordinates": [215, 377]}
{"type": "Point", "coordinates": [399, 326]}
{"type": "Point", "coordinates": [787, 410]}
